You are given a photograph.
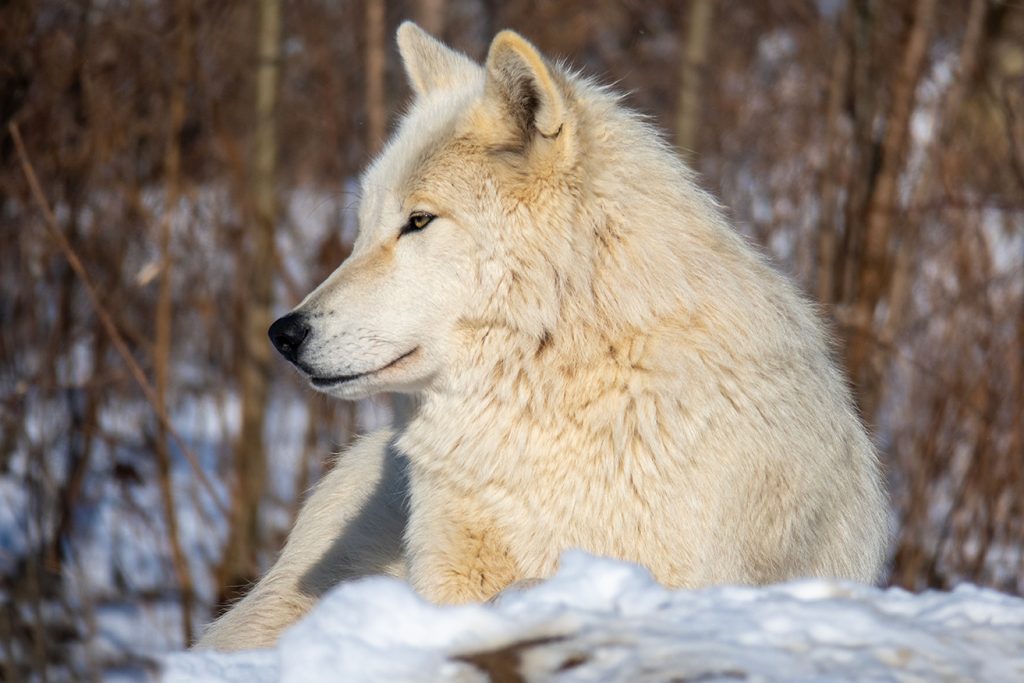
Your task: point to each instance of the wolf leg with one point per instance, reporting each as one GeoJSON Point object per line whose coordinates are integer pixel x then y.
{"type": "Point", "coordinates": [351, 526]}
{"type": "Point", "coordinates": [454, 554]}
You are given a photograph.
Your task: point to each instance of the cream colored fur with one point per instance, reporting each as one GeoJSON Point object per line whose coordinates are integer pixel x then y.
{"type": "Point", "coordinates": [600, 362]}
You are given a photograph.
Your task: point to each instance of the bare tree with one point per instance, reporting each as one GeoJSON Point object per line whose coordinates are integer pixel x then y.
{"type": "Point", "coordinates": [949, 113]}
{"type": "Point", "coordinates": [376, 51]}
{"type": "Point", "coordinates": [694, 65]}
{"type": "Point", "coordinates": [874, 268]}
{"type": "Point", "coordinates": [240, 561]}
{"type": "Point", "coordinates": [164, 311]}
{"type": "Point", "coordinates": [830, 176]}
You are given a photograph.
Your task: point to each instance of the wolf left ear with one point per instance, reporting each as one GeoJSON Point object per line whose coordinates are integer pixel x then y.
{"type": "Point", "coordinates": [520, 82]}
{"type": "Point", "coordinates": [429, 63]}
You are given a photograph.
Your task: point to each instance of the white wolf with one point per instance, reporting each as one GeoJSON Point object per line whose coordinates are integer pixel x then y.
{"type": "Point", "coordinates": [599, 362]}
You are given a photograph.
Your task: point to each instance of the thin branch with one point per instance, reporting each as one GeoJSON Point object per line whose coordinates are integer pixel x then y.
{"type": "Point", "coordinates": [104, 316]}
{"type": "Point", "coordinates": [870, 336]}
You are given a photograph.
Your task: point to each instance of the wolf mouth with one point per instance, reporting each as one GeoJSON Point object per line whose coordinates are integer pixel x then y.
{"type": "Point", "coordinates": [323, 382]}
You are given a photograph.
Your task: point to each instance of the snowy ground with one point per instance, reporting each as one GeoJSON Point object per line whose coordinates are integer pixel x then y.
{"type": "Point", "coordinates": [599, 620]}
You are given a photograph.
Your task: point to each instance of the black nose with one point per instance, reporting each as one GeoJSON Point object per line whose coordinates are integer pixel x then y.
{"type": "Point", "coordinates": [288, 333]}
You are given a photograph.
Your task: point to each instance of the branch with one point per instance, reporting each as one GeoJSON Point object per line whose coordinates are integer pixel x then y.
{"type": "Point", "coordinates": [105, 319]}
{"type": "Point", "coordinates": [870, 336]}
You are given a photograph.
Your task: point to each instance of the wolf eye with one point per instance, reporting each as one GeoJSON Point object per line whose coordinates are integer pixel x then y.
{"type": "Point", "coordinates": [416, 222]}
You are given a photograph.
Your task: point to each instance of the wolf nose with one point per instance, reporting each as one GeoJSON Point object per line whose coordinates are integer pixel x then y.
{"type": "Point", "coordinates": [287, 334]}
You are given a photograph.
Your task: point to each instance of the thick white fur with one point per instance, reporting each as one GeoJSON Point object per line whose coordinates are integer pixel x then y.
{"type": "Point", "coordinates": [600, 362]}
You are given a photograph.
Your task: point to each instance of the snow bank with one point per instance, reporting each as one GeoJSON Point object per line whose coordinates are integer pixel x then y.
{"type": "Point", "coordinates": [600, 620]}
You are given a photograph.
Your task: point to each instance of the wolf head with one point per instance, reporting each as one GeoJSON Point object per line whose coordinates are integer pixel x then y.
{"type": "Point", "coordinates": [462, 220]}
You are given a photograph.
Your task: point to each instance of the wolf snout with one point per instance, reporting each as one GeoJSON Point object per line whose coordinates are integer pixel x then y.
{"type": "Point", "coordinates": [287, 334]}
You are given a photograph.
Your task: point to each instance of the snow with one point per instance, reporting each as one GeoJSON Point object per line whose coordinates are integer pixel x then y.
{"type": "Point", "coordinates": [602, 620]}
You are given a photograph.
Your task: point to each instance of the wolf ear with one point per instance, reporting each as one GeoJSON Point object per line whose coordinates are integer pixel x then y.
{"type": "Point", "coordinates": [429, 63]}
{"type": "Point", "coordinates": [518, 79]}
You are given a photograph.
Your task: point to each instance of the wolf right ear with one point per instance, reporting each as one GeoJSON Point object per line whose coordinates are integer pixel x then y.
{"type": "Point", "coordinates": [519, 80]}
{"type": "Point", "coordinates": [429, 63]}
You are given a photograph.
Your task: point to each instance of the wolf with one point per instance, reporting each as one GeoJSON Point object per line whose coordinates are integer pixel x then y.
{"type": "Point", "coordinates": [598, 360]}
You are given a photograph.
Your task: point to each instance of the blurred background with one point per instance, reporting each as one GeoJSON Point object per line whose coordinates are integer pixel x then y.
{"type": "Point", "coordinates": [176, 173]}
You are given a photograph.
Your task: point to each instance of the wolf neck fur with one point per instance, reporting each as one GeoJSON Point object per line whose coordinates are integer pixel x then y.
{"type": "Point", "coordinates": [517, 388]}
{"type": "Point", "coordinates": [517, 394]}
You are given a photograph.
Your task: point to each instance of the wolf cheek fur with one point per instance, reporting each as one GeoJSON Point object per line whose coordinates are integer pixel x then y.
{"type": "Point", "coordinates": [599, 360]}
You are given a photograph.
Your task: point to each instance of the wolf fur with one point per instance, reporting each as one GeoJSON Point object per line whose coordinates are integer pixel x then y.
{"type": "Point", "coordinates": [599, 361]}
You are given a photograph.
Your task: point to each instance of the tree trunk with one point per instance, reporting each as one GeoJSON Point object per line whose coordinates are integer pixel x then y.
{"type": "Point", "coordinates": [873, 270]}
{"type": "Point", "coordinates": [376, 52]}
{"type": "Point", "coordinates": [695, 57]}
{"type": "Point", "coordinates": [164, 311]}
{"type": "Point", "coordinates": [828, 228]}
{"type": "Point", "coordinates": [949, 111]}
{"type": "Point", "coordinates": [863, 101]}
{"type": "Point", "coordinates": [240, 563]}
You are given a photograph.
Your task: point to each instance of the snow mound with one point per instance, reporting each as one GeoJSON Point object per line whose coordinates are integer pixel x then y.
{"type": "Point", "coordinates": [600, 620]}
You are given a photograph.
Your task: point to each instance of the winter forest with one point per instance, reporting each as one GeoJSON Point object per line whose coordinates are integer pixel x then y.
{"type": "Point", "coordinates": [175, 174]}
